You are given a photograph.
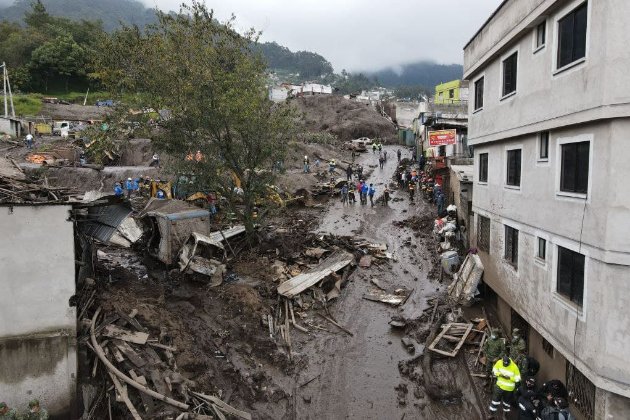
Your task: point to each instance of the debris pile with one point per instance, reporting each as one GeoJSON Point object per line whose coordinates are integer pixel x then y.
{"type": "Point", "coordinates": [16, 187]}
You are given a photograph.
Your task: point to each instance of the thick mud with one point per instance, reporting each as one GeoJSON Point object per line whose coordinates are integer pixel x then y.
{"type": "Point", "coordinates": [357, 376]}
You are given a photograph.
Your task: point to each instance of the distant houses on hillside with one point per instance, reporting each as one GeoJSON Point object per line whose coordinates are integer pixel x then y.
{"type": "Point", "coordinates": [283, 91]}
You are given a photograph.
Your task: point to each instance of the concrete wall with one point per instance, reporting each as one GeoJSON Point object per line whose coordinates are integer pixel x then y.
{"type": "Point", "coordinates": [598, 87]}
{"type": "Point", "coordinates": [37, 325]}
{"type": "Point", "coordinates": [536, 210]}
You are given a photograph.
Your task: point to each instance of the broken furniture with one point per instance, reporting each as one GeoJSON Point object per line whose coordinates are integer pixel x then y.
{"type": "Point", "coordinates": [463, 289]}
{"type": "Point", "coordinates": [453, 333]}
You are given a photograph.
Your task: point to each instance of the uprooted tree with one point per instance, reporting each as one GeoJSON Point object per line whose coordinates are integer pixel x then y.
{"type": "Point", "coordinates": [221, 128]}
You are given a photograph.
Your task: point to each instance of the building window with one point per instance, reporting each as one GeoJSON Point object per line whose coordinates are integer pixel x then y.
{"type": "Point", "coordinates": [451, 93]}
{"type": "Point", "coordinates": [547, 347]}
{"type": "Point", "coordinates": [514, 168]}
{"type": "Point", "coordinates": [483, 234]}
{"type": "Point", "coordinates": [582, 391]}
{"type": "Point", "coordinates": [483, 167]}
{"type": "Point", "coordinates": [572, 36]}
{"type": "Point", "coordinates": [541, 34]}
{"type": "Point", "coordinates": [511, 246]}
{"type": "Point", "coordinates": [542, 249]}
{"type": "Point", "coordinates": [479, 94]}
{"type": "Point", "coordinates": [543, 149]}
{"type": "Point", "coordinates": [570, 275]}
{"type": "Point", "coordinates": [575, 166]}
{"type": "Point", "coordinates": [509, 74]}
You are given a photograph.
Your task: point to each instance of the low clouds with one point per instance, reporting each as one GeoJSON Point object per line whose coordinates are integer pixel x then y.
{"type": "Point", "coordinates": [360, 34]}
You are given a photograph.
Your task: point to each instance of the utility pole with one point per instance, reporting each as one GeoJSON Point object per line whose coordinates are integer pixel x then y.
{"type": "Point", "coordinates": [7, 88]}
{"type": "Point", "coordinates": [4, 90]}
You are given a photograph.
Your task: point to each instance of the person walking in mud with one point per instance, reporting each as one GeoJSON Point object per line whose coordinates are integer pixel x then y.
{"type": "Point", "coordinates": [385, 155]}
{"type": "Point", "coordinates": [344, 194]}
{"type": "Point", "coordinates": [399, 154]}
{"type": "Point", "coordinates": [412, 191]}
{"type": "Point", "coordinates": [381, 162]}
{"type": "Point", "coordinates": [373, 148]}
{"type": "Point", "coordinates": [351, 197]}
{"type": "Point", "coordinates": [386, 197]}
{"type": "Point", "coordinates": [349, 173]}
{"type": "Point", "coordinates": [371, 192]}
{"type": "Point", "coordinates": [364, 192]}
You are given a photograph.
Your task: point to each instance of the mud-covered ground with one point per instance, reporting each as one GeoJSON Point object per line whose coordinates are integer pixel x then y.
{"type": "Point", "coordinates": [225, 350]}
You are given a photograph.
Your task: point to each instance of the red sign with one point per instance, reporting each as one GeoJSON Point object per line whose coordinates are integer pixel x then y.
{"type": "Point", "coordinates": [442, 137]}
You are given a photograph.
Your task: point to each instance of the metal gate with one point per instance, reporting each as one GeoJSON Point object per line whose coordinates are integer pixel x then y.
{"type": "Point", "coordinates": [581, 391]}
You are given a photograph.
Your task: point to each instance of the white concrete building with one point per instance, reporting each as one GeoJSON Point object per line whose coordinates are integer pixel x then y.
{"type": "Point", "coordinates": [550, 123]}
{"type": "Point", "coordinates": [38, 325]}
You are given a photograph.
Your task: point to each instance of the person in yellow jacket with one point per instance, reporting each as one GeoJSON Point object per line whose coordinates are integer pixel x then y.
{"type": "Point", "coordinates": [507, 374]}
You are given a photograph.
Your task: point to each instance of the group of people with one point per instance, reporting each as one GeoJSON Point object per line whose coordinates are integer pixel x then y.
{"type": "Point", "coordinates": [512, 375]}
{"type": "Point", "coordinates": [34, 412]}
{"type": "Point", "coordinates": [137, 186]}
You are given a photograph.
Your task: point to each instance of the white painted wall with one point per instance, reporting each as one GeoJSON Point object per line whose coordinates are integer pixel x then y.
{"type": "Point", "coordinates": [37, 325]}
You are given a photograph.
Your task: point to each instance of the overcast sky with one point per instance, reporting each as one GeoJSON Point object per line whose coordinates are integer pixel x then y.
{"type": "Point", "coordinates": [360, 34]}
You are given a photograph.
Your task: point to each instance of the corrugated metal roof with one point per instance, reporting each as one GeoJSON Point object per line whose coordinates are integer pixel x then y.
{"type": "Point", "coordinates": [104, 220]}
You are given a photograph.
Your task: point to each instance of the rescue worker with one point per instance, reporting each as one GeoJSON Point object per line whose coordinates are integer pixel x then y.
{"type": "Point", "coordinates": [349, 173]}
{"type": "Point", "coordinates": [331, 166]}
{"type": "Point", "coordinates": [155, 160]}
{"type": "Point", "coordinates": [412, 191]}
{"type": "Point", "coordinates": [129, 187]}
{"type": "Point", "coordinates": [29, 141]}
{"type": "Point", "coordinates": [422, 162]}
{"type": "Point", "coordinates": [331, 186]}
{"type": "Point", "coordinates": [360, 172]}
{"type": "Point", "coordinates": [7, 413]}
{"type": "Point", "coordinates": [440, 204]}
{"type": "Point", "coordinates": [493, 350]}
{"type": "Point", "coordinates": [364, 193]}
{"type": "Point", "coordinates": [35, 412]}
{"type": "Point", "coordinates": [530, 402]}
{"type": "Point", "coordinates": [386, 196]}
{"type": "Point", "coordinates": [385, 155]}
{"type": "Point", "coordinates": [507, 374]}
{"type": "Point", "coordinates": [553, 389]}
{"type": "Point", "coordinates": [529, 366]}
{"type": "Point", "coordinates": [351, 197]}
{"type": "Point", "coordinates": [344, 194]}
{"type": "Point", "coordinates": [517, 347]}
{"type": "Point", "coordinates": [373, 147]}
{"type": "Point", "coordinates": [559, 410]}
{"type": "Point", "coordinates": [307, 168]}
{"type": "Point", "coordinates": [118, 191]}
{"type": "Point", "coordinates": [381, 162]}
{"type": "Point", "coordinates": [399, 154]}
{"type": "Point", "coordinates": [380, 147]}
{"type": "Point", "coordinates": [371, 192]}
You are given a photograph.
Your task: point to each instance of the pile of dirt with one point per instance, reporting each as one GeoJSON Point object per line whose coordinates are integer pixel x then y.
{"type": "Point", "coordinates": [344, 118]}
{"type": "Point", "coordinates": [73, 112]}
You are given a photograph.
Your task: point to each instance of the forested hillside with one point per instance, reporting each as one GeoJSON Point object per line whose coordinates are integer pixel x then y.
{"type": "Point", "coordinates": [109, 12]}
{"type": "Point", "coordinates": [423, 73]}
{"type": "Point", "coordinates": [308, 64]}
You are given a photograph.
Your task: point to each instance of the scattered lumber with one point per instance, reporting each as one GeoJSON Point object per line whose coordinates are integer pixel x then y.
{"type": "Point", "coordinates": [457, 333]}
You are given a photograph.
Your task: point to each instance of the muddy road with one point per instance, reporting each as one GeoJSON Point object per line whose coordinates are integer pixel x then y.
{"type": "Point", "coordinates": [356, 376]}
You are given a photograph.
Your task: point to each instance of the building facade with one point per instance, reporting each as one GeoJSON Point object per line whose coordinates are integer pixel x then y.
{"type": "Point", "coordinates": [38, 326]}
{"type": "Point", "coordinates": [549, 122]}
{"type": "Point", "coordinates": [452, 92]}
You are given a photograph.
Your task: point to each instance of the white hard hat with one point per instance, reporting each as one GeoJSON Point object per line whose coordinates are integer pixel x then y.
{"type": "Point", "coordinates": [128, 179]}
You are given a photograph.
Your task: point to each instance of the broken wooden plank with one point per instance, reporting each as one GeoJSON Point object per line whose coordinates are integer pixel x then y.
{"type": "Point", "coordinates": [225, 407]}
{"type": "Point", "coordinates": [442, 334]}
{"type": "Point", "coordinates": [397, 298]}
{"type": "Point", "coordinates": [147, 401]}
{"type": "Point", "coordinates": [113, 331]}
{"type": "Point", "coordinates": [336, 324]}
{"type": "Point", "coordinates": [300, 283]}
{"type": "Point", "coordinates": [162, 346]}
{"type": "Point", "coordinates": [123, 394]}
{"type": "Point", "coordinates": [130, 353]}
{"type": "Point", "coordinates": [158, 382]}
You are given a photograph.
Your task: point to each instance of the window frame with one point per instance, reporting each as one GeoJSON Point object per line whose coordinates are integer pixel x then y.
{"type": "Point", "coordinates": [504, 59]}
{"type": "Point", "coordinates": [537, 29]}
{"type": "Point", "coordinates": [507, 167]}
{"type": "Point", "coordinates": [569, 298]}
{"type": "Point", "coordinates": [480, 218]}
{"type": "Point", "coordinates": [479, 106]}
{"type": "Point", "coordinates": [546, 135]}
{"type": "Point", "coordinates": [568, 10]}
{"type": "Point", "coordinates": [483, 180]}
{"type": "Point", "coordinates": [577, 169]}
{"type": "Point", "coordinates": [543, 248]}
{"type": "Point", "coordinates": [510, 246]}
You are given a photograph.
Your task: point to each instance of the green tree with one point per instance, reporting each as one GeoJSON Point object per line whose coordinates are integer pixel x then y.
{"type": "Point", "coordinates": [205, 74]}
{"type": "Point", "coordinates": [62, 57]}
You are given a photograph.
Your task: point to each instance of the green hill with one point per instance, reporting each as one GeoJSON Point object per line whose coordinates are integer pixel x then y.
{"type": "Point", "coordinates": [110, 12]}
